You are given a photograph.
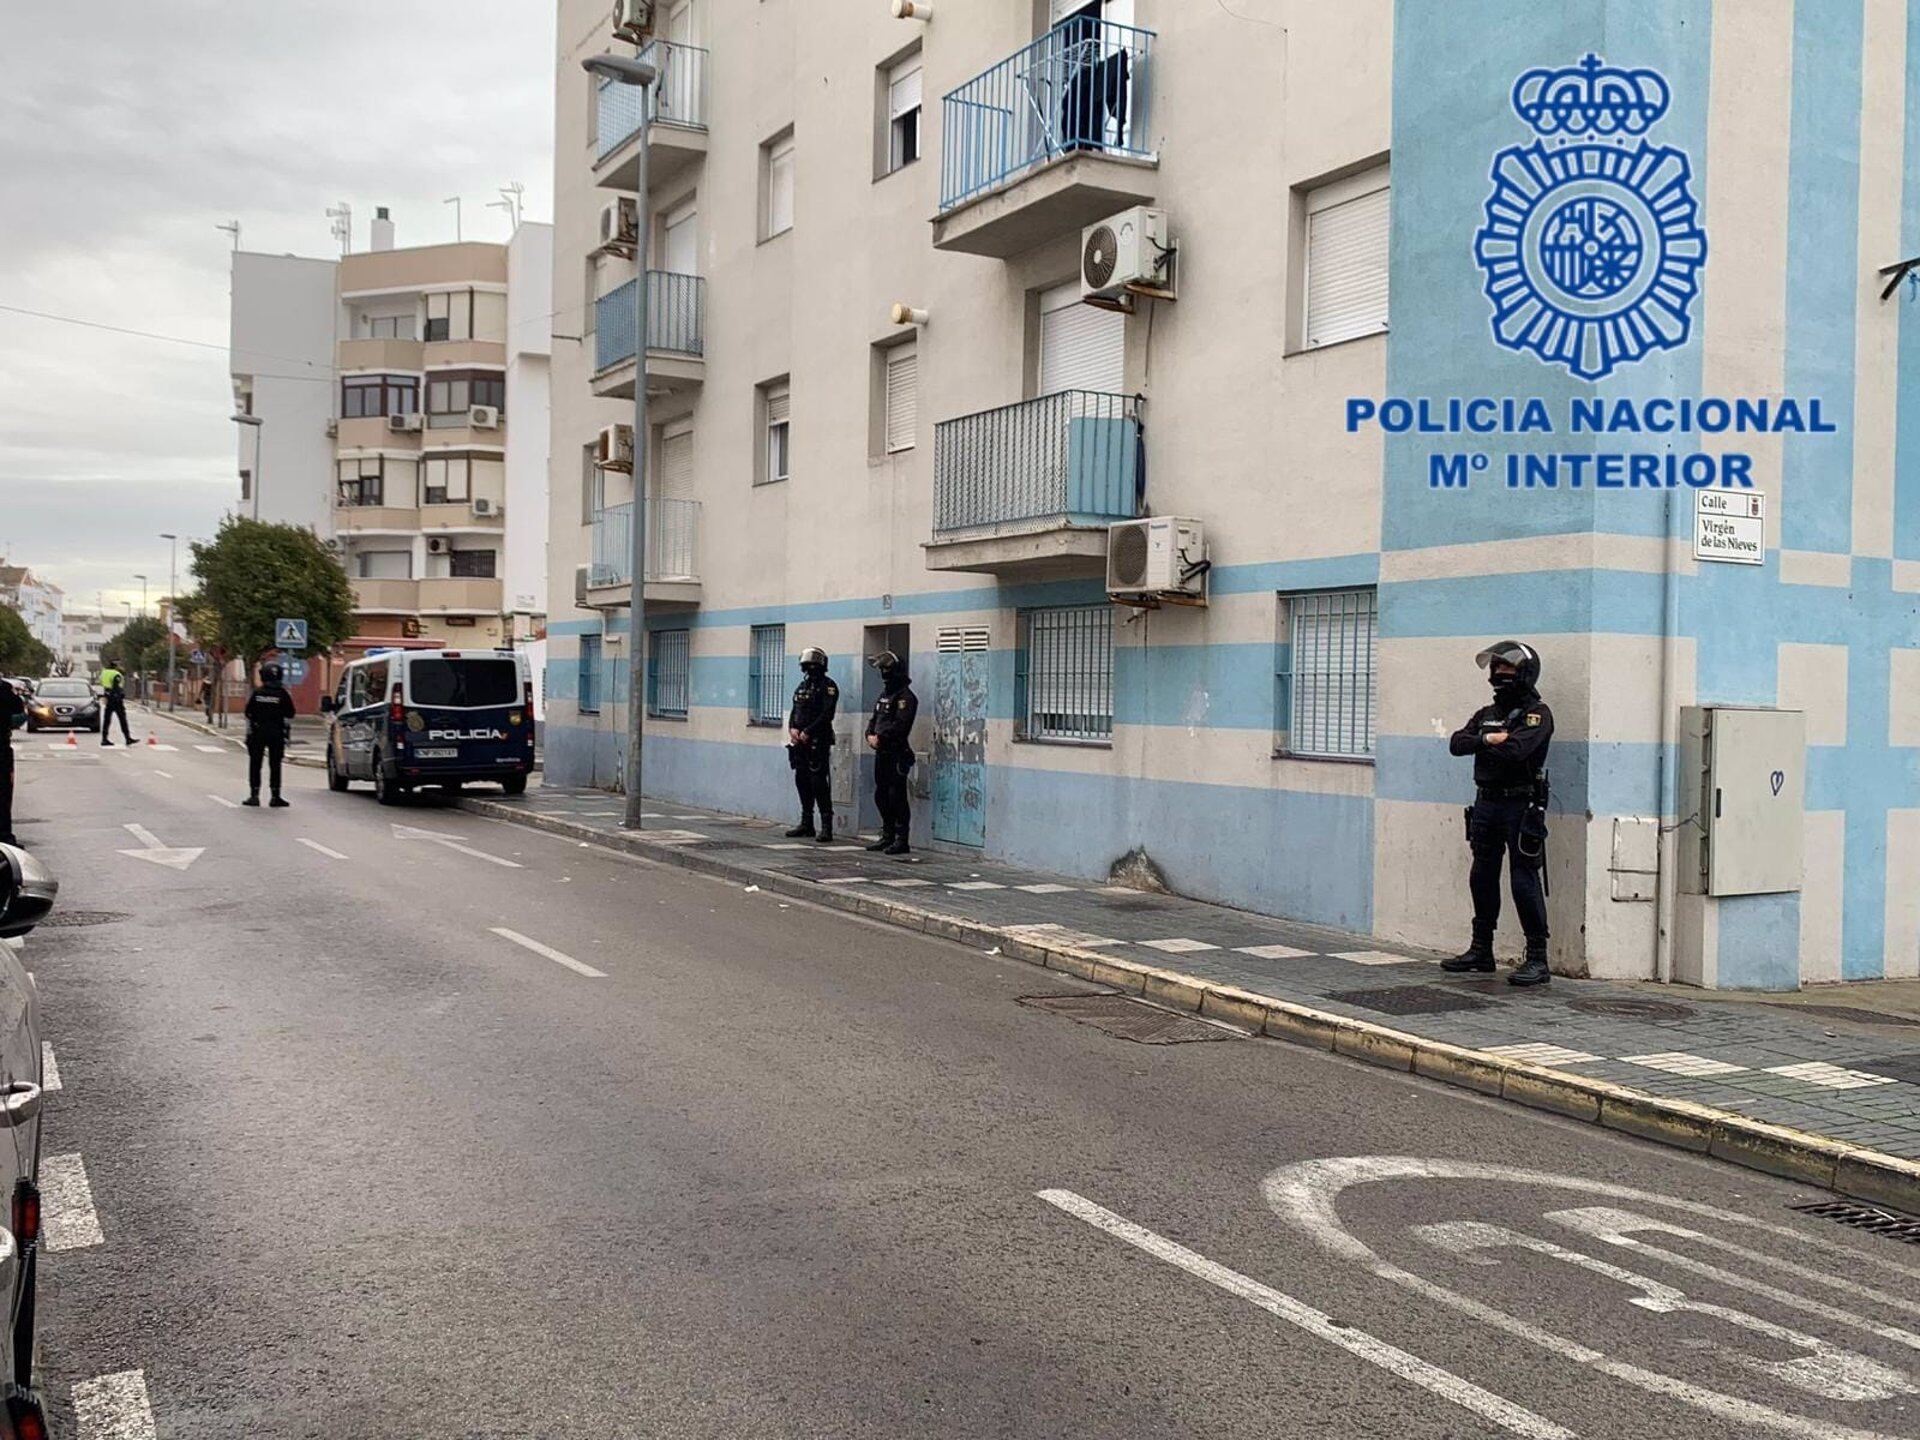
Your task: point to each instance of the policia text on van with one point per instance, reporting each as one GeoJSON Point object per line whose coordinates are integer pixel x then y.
{"type": "Point", "coordinates": [404, 719]}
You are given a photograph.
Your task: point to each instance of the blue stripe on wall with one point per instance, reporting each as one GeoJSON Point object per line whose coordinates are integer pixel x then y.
{"type": "Point", "coordinates": [1823, 229]}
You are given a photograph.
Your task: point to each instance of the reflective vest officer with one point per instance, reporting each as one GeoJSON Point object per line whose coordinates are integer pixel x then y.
{"type": "Point", "coordinates": [810, 744]}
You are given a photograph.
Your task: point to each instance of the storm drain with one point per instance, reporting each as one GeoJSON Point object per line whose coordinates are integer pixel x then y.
{"type": "Point", "coordinates": [1865, 1217]}
{"type": "Point", "coordinates": [1631, 1009]}
{"type": "Point", "coordinates": [75, 919]}
{"type": "Point", "coordinates": [1126, 1018]}
{"type": "Point", "coordinates": [1848, 1012]}
{"type": "Point", "coordinates": [1410, 1000]}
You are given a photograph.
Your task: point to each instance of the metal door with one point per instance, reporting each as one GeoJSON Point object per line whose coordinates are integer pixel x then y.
{"type": "Point", "coordinates": [960, 736]}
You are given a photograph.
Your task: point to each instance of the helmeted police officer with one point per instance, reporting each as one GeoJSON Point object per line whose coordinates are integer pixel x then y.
{"type": "Point", "coordinates": [13, 711]}
{"type": "Point", "coordinates": [889, 733]}
{"type": "Point", "coordinates": [269, 714]}
{"type": "Point", "coordinates": [810, 744]}
{"type": "Point", "coordinates": [1508, 741]}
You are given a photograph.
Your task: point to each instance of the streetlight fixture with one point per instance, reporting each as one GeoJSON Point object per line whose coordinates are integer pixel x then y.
{"type": "Point", "coordinates": [173, 606]}
{"type": "Point", "coordinates": [259, 438]}
{"type": "Point", "coordinates": [623, 70]}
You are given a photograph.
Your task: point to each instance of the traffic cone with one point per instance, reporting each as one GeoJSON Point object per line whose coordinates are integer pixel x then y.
{"type": "Point", "coordinates": [153, 741]}
{"type": "Point", "coordinates": [72, 744]}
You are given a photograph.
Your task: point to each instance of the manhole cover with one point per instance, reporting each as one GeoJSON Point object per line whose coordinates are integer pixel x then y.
{"type": "Point", "coordinates": [1410, 1000]}
{"type": "Point", "coordinates": [1894, 1067]}
{"type": "Point", "coordinates": [1848, 1012]}
{"type": "Point", "coordinates": [1630, 1009]}
{"type": "Point", "coordinates": [74, 919]}
{"type": "Point", "coordinates": [1865, 1217]}
{"type": "Point", "coordinates": [1130, 1019]}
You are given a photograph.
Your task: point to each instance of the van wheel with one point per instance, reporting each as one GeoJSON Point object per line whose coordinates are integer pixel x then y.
{"type": "Point", "coordinates": [387, 792]}
{"type": "Point", "coordinates": [336, 782]}
{"type": "Point", "coordinates": [514, 785]}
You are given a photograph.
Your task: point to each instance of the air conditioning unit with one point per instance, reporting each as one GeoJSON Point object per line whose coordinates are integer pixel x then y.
{"type": "Point", "coordinates": [483, 417]}
{"type": "Point", "coordinates": [436, 544]}
{"type": "Point", "coordinates": [620, 224]}
{"type": "Point", "coordinates": [1161, 558]}
{"type": "Point", "coordinates": [580, 587]}
{"type": "Point", "coordinates": [335, 545]}
{"type": "Point", "coordinates": [333, 428]}
{"type": "Point", "coordinates": [485, 507]}
{"type": "Point", "coordinates": [402, 424]}
{"type": "Point", "coordinates": [1128, 249]}
{"type": "Point", "coordinates": [633, 19]}
{"type": "Point", "coordinates": [615, 451]}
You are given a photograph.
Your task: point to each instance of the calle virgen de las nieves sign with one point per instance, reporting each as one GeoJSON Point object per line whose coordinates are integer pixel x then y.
{"type": "Point", "coordinates": [1590, 256]}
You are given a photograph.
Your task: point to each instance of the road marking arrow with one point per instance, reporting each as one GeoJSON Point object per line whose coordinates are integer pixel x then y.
{"type": "Point", "coordinates": [409, 832]}
{"type": "Point", "coordinates": [152, 849]}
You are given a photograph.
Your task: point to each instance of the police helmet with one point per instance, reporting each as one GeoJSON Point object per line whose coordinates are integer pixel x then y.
{"type": "Point", "coordinates": [270, 674]}
{"type": "Point", "coordinates": [813, 657]}
{"type": "Point", "coordinates": [886, 662]}
{"type": "Point", "coordinates": [1523, 657]}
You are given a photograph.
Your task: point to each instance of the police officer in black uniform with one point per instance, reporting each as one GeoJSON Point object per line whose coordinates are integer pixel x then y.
{"type": "Point", "coordinates": [889, 733]}
{"type": "Point", "coordinates": [12, 708]}
{"type": "Point", "coordinates": [1508, 741]}
{"type": "Point", "coordinates": [269, 714]}
{"type": "Point", "coordinates": [810, 744]}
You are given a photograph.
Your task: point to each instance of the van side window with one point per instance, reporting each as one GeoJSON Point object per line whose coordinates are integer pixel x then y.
{"type": "Point", "coordinates": [357, 688]}
{"type": "Point", "coordinates": [377, 682]}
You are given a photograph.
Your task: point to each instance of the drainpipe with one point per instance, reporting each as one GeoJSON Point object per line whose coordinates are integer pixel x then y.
{"type": "Point", "coordinates": [1667, 837]}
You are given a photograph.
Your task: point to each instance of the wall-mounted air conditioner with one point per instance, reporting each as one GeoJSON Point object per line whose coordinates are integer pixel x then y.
{"type": "Point", "coordinates": [437, 545]}
{"type": "Point", "coordinates": [615, 450]}
{"type": "Point", "coordinates": [620, 224]}
{"type": "Point", "coordinates": [1162, 558]}
{"type": "Point", "coordinates": [333, 428]}
{"type": "Point", "coordinates": [633, 19]}
{"type": "Point", "coordinates": [483, 506]}
{"type": "Point", "coordinates": [1125, 252]}
{"type": "Point", "coordinates": [580, 587]}
{"type": "Point", "coordinates": [402, 424]}
{"type": "Point", "coordinates": [483, 417]}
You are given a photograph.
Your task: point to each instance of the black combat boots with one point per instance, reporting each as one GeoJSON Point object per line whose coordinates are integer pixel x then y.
{"type": "Point", "coordinates": [825, 837]}
{"type": "Point", "coordinates": [1533, 970]}
{"type": "Point", "coordinates": [886, 839]}
{"type": "Point", "coordinates": [1476, 957]}
{"type": "Point", "coordinates": [804, 830]}
{"type": "Point", "coordinates": [899, 845]}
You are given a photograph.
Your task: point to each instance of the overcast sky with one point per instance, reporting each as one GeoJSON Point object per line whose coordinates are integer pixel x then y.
{"type": "Point", "coordinates": [128, 130]}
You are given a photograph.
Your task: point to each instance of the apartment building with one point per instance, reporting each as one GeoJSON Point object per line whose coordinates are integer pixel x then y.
{"type": "Point", "coordinates": [380, 384]}
{"type": "Point", "coordinates": [1440, 327]}
{"type": "Point", "coordinates": [82, 633]}
{"type": "Point", "coordinates": [36, 601]}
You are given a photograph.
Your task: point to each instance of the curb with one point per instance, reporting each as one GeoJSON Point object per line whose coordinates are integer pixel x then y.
{"type": "Point", "coordinates": [1861, 1174]}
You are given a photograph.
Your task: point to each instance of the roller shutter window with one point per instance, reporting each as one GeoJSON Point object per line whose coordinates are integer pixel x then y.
{"type": "Point", "coordinates": [1082, 347]}
{"type": "Point", "coordinates": [1346, 274]}
{"type": "Point", "coordinates": [903, 397]}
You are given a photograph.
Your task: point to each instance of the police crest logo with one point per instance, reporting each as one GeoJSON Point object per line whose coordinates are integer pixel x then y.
{"type": "Point", "coordinates": [1533, 717]}
{"type": "Point", "coordinates": [1592, 246]}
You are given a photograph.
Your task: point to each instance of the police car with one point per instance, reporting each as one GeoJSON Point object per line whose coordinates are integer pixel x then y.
{"type": "Point", "coordinates": [407, 718]}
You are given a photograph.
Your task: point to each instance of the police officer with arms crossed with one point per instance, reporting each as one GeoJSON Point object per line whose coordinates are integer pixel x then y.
{"type": "Point", "coordinates": [810, 744]}
{"type": "Point", "coordinates": [1508, 741]}
{"type": "Point", "coordinates": [889, 733]}
{"type": "Point", "coordinates": [269, 713]}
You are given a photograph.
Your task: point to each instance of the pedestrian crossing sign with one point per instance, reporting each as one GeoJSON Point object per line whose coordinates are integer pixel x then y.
{"type": "Point", "coordinates": [290, 634]}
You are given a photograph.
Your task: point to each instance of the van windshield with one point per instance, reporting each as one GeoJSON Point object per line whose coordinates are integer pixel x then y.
{"type": "Point", "coordinates": [457, 684]}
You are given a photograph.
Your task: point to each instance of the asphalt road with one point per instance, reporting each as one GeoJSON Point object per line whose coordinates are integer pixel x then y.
{"type": "Point", "coordinates": [364, 1166]}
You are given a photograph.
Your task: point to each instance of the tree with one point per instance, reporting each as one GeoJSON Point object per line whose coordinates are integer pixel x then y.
{"type": "Point", "coordinates": [252, 573]}
{"type": "Point", "coordinates": [134, 640]}
{"type": "Point", "coordinates": [21, 652]}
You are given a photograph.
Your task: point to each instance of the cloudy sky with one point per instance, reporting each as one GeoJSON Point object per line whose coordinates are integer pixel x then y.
{"type": "Point", "coordinates": [128, 130]}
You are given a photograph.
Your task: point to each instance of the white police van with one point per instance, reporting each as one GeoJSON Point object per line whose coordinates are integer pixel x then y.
{"type": "Point", "coordinates": [407, 718]}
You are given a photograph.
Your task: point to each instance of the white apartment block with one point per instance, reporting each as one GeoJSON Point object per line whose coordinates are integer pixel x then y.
{"type": "Point", "coordinates": [82, 633]}
{"type": "Point", "coordinates": [37, 601]}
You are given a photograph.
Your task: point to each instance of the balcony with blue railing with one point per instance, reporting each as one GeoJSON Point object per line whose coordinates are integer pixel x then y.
{"type": "Point", "coordinates": [1054, 137]}
{"type": "Point", "coordinates": [673, 550]}
{"type": "Point", "coordinates": [678, 117]}
{"type": "Point", "coordinates": [1031, 488]}
{"type": "Point", "coordinates": [675, 339]}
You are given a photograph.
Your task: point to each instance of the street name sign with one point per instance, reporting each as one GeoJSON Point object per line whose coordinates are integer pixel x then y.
{"type": "Point", "coordinates": [1730, 526]}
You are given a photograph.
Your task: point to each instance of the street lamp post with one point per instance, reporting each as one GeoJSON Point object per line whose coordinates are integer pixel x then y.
{"type": "Point", "coordinates": [142, 672]}
{"type": "Point", "coordinates": [258, 426]}
{"type": "Point", "coordinates": [173, 605]}
{"type": "Point", "coordinates": [641, 74]}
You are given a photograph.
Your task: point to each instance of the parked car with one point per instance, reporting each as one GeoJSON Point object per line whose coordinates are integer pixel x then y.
{"type": "Point", "coordinates": [27, 893]}
{"type": "Point", "coordinates": [407, 718]}
{"type": "Point", "coordinates": [62, 703]}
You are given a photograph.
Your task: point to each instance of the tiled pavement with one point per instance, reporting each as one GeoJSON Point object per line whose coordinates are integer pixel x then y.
{"type": "Point", "coordinates": [1852, 1080]}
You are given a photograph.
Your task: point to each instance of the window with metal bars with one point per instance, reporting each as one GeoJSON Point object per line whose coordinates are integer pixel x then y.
{"type": "Point", "coordinates": [1063, 674]}
{"type": "Point", "coordinates": [1327, 674]}
{"type": "Point", "coordinates": [767, 675]}
{"type": "Point", "coordinates": [668, 674]}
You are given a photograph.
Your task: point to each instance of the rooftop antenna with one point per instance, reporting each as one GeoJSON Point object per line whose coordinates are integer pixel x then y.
{"type": "Point", "coordinates": [506, 205]}
{"type": "Point", "coordinates": [232, 227]}
{"type": "Point", "coordinates": [513, 192]}
{"type": "Point", "coordinates": [342, 217]}
{"type": "Point", "coordinates": [454, 201]}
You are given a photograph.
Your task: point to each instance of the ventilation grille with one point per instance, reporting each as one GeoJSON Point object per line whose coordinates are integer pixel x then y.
{"type": "Point", "coordinates": [956, 639]}
{"type": "Point", "coordinates": [1101, 256]}
{"type": "Point", "coordinates": [1129, 554]}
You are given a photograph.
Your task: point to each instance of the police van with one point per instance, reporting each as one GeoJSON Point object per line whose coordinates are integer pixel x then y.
{"type": "Point", "coordinates": [407, 718]}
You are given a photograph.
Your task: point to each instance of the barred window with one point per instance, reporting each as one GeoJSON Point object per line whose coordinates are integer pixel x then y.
{"type": "Point", "coordinates": [1327, 674]}
{"type": "Point", "coordinates": [1064, 674]}
{"type": "Point", "coordinates": [589, 674]}
{"type": "Point", "coordinates": [767, 675]}
{"type": "Point", "coordinates": [668, 673]}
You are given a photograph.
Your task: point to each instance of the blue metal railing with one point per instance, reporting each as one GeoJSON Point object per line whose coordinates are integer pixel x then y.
{"type": "Point", "coordinates": [679, 97]}
{"type": "Point", "coordinates": [675, 304]}
{"type": "Point", "coordinates": [673, 542]}
{"type": "Point", "coordinates": [1081, 87]}
{"type": "Point", "coordinates": [1074, 458]}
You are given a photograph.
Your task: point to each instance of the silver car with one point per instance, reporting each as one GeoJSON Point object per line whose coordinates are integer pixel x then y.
{"type": "Point", "coordinates": [27, 893]}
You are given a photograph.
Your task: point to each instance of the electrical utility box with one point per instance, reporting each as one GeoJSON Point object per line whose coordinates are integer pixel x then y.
{"type": "Point", "coordinates": [1743, 774]}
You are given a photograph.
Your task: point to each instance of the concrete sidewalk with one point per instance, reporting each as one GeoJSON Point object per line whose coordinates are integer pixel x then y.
{"type": "Point", "coordinates": [1823, 1088]}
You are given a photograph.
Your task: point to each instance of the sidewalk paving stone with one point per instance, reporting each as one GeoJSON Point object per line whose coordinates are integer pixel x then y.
{"type": "Point", "coordinates": [1673, 1043]}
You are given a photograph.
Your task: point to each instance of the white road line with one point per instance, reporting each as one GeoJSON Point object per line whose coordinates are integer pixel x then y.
{"type": "Point", "coordinates": [211, 749]}
{"type": "Point", "coordinates": [222, 800]}
{"type": "Point", "coordinates": [316, 845]}
{"type": "Point", "coordinates": [164, 774]}
{"type": "Point", "coordinates": [69, 1222]}
{"type": "Point", "coordinates": [145, 836]}
{"type": "Point", "coordinates": [49, 1068]}
{"type": "Point", "coordinates": [1445, 1384]}
{"type": "Point", "coordinates": [114, 1407]}
{"type": "Point", "coordinates": [549, 952]}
